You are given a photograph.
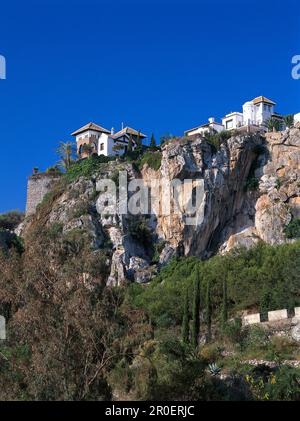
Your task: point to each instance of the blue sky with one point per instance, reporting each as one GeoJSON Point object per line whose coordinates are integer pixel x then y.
{"type": "Point", "coordinates": [159, 66]}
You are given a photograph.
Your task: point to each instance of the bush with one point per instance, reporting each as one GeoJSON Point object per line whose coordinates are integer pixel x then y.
{"type": "Point", "coordinates": [152, 159]}
{"type": "Point", "coordinates": [10, 220]}
{"type": "Point", "coordinates": [256, 338]}
{"type": "Point", "coordinates": [210, 353]}
{"type": "Point", "coordinates": [217, 139]}
{"type": "Point", "coordinates": [139, 231]}
{"type": "Point", "coordinates": [9, 240]}
{"type": "Point", "coordinates": [234, 332]}
{"type": "Point", "coordinates": [292, 229]}
{"type": "Point", "coordinates": [86, 167]}
{"type": "Point", "coordinates": [252, 184]}
{"type": "Point", "coordinates": [264, 277]}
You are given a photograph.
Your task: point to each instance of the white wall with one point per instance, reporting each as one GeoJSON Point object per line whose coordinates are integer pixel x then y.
{"type": "Point", "coordinates": [263, 112]}
{"type": "Point", "coordinates": [108, 143]}
{"type": "Point", "coordinates": [248, 113]}
{"type": "Point", "coordinates": [297, 118]}
{"type": "Point", "coordinates": [202, 130]}
{"type": "Point", "coordinates": [236, 118]}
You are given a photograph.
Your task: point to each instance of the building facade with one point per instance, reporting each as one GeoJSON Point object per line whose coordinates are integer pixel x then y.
{"type": "Point", "coordinates": [94, 139]}
{"type": "Point", "coordinates": [254, 113]}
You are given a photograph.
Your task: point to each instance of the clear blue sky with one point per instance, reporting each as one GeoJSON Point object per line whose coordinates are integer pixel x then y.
{"type": "Point", "coordinates": [160, 66]}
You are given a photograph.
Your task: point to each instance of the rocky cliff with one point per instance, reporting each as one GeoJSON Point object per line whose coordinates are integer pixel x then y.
{"type": "Point", "coordinates": [251, 192]}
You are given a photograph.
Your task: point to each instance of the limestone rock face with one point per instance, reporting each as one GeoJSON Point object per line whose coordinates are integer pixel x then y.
{"type": "Point", "coordinates": [279, 186]}
{"type": "Point", "coordinates": [226, 207]}
{"type": "Point", "coordinates": [250, 191]}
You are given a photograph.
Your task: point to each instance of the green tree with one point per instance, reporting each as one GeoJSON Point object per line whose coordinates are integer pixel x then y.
{"type": "Point", "coordinates": [10, 220]}
{"type": "Point", "coordinates": [185, 329]}
{"type": "Point", "coordinates": [208, 310]}
{"type": "Point", "coordinates": [273, 124]}
{"type": "Point", "coordinates": [130, 142]}
{"type": "Point", "coordinates": [139, 144]}
{"type": "Point", "coordinates": [66, 152]}
{"type": "Point", "coordinates": [224, 304]}
{"type": "Point", "coordinates": [289, 120]}
{"type": "Point", "coordinates": [153, 142]}
{"type": "Point", "coordinates": [196, 310]}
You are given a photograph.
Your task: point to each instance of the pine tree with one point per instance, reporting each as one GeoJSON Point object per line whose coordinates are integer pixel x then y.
{"type": "Point", "coordinates": [153, 142]}
{"type": "Point", "coordinates": [208, 311]}
{"type": "Point", "coordinates": [196, 310]}
{"type": "Point", "coordinates": [225, 304]}
{"type": "Point", "coordinates": [185, 329]}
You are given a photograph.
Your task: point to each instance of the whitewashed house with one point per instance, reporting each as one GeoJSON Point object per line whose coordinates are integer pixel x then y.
{"type": "Point", "coordinates": [208, 127]}
{"type": "Point", "coordinates": [95, 139]}
{"type": "Point", "coordinates": [255, 113]}
{"type": "Point", "coordinates": [232, 121]}
{"type": "Point", "coordinates": [297, 118]}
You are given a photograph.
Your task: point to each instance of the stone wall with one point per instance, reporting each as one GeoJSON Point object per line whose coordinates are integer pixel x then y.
{"type": "Point", "coordinates": [277, 315]}
{"type": "Point", "coordinates": [250, 319]}
{"type": "Point", "coordinates": [37, 186]}
{"type": "Point", "coordinates": [273, 316]}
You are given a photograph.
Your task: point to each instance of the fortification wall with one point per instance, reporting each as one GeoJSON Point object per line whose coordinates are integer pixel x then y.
{"type": "Point", "coordinates": [37, 186]}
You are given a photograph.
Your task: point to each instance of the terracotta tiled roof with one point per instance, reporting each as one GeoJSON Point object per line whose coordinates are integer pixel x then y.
{"type": "Point", "coordinates": [91, 126]}
{"type": "Point", "coordinates": [128, 130]}
{"type": "Point", "coordinates": [259, 99]}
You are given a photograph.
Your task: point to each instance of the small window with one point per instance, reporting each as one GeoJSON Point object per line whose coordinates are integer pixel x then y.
{"type": "Point", "coordinates": [101, 146]}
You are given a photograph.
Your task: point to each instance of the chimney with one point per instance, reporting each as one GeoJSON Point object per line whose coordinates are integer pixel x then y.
{"type": "Point", "coordinates": [112, 131]}
{"type": "Point", "coordinates": [211, 119]}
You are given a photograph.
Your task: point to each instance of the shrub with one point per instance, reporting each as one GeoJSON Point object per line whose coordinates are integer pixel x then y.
{"type": "Point", "coordinates": [210, 353]}
{"type": "Point", "coordinates": [158, 248]}
{"type": "Point", "coordinates": [10, 220]}
{"type": "Point", "coordinates": [81, 208]}
{"type": "Point", "coordinates": [86, 167]}
{"type": "Point", "coordinates": [54, 170]}
{"type": "Point", "coordinates": [217, 139]}
{"type": "Point", "coordinates": [256, 338]}
{"type": "Point", "coordinates": [234, 332]}
{"type": "Point", "coordinates": [9, 240]}
{"type": "Point", "coordinates": [139, 231]}
{"type": "Point", "coordinates": [152, 159]}
{"type": "Point", "coordinates": [252, 184]}
{"type": "Point", "coordinates": [292, 229]}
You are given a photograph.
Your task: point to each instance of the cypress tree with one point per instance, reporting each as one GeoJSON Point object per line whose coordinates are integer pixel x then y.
{"type": "Point", "coordinates": [196, 310]}
{"type": "Point", "coordinates": [225, 304]}
{"type": "Point", "coordinates": [129, 146]}
{"type": "Point", "coordinates": [208, 311]}
{"type": "Point", "coordinates": [153, 142]}
{"type": "Point", "coordinates": [185, 329]}
{"type": "Point", "coordinates": [138, 142]}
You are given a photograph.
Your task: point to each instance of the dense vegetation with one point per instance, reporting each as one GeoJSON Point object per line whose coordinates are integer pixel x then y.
{"type": "Point", "coordinates": [67, 341]}
{"type": "Point", "coordinates": [264, 277]}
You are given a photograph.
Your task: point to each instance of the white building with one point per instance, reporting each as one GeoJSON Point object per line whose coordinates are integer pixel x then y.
{"type": "Point", "coordinates": [297, 118]}
{"type": "Point", "coordinates": [255, 113]}
{"type": "Point", "coordinates": [208, 127]}
{"type": "Point", "coordinates": [232, 121]}
{"type": "Point", "coordinates": [94, 139]}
